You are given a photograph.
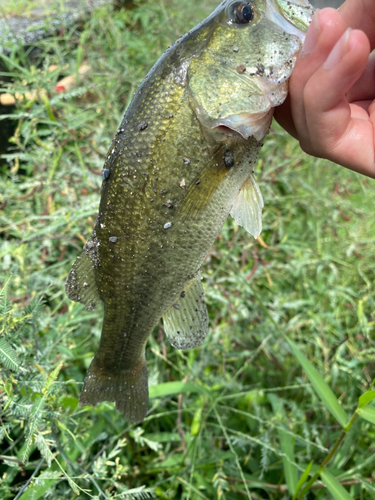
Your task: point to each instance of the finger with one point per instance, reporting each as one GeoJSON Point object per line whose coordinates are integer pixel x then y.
{"type": "Point", "coordinates": [333, 132]}
{"type": "Point", "coordinates": [326, 28]}
{"type": "Point", "coordinates": [283, 116]}
{"type": "Point", "coordinates": [360, 14]}
{"type": "Point", "coordinates": [364, 88]}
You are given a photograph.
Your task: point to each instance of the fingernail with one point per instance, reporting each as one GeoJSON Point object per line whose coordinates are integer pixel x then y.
{"type": "Point", "coordinates": [312, 34]}
{"type": "Point", "coordinates": [339, 50]}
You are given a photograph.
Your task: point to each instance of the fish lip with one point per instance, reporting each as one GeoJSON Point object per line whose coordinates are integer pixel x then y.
{"type": "Point", "coordinates": [254, 125]}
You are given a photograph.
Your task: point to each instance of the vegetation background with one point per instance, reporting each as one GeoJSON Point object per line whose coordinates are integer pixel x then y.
{"type": "Point", "coordinates": [244, 415]}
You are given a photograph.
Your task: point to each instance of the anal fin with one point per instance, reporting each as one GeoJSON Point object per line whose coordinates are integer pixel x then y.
{"type": "Point", "coordinates": [186, 322]}
{"type": "Point", "coordinates": [80, 285]}
{"type": "Point", "coordinates": [247, 207]}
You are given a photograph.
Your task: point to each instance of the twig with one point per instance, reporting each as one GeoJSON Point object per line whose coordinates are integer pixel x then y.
{"type": "Point", "coordinates": [255, 267]}
{"type": "Point", "coordinates": [283, 488]}
{"type": "Point", "coordinates": [329, 457]}
{"type": "Point", "coordinates": [11, 459]}
{"type": "Point", "coordinates": [76, 467]}
{"type": "Point", "coordinates": [29, 480]}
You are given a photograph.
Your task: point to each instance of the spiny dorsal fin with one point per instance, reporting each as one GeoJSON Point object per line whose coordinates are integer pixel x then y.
{"type": "Point", "coordinates": [80, 285]}
{"type": "Point", "coordinates": [186, 322]}
{"type": "Point", "coordinates": [247, 207]}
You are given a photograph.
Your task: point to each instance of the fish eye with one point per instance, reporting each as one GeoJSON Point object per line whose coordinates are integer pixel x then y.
{"type": "Point", "coordinates": [241, 13]}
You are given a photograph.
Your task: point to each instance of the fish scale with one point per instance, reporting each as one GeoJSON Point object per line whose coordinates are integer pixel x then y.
{"type": "Point", "coordinates": [181, 161]}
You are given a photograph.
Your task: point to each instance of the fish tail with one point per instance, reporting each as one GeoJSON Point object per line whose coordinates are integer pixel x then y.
{"type": "Point", "coordinates": [127, 388]}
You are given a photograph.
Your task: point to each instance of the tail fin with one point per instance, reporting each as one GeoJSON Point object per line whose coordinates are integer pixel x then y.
{"type": "Point", "coordinates": [128, 388]}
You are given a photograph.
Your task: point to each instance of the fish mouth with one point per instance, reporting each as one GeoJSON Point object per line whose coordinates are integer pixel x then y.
{"type": "Point", "coordinates": [256, 125]}
{"type": "Point", "coordinates": [246, 125]}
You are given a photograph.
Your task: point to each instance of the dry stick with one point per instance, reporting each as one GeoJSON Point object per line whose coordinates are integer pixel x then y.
{"type": "Point", "coordinates": [62, 86]}
{"type": "Point", "coordinates": [29, 480]}
{"type": "Point", "coordinates": [283, 488]}
{"type": "Point", "coordinates": [74, 467]}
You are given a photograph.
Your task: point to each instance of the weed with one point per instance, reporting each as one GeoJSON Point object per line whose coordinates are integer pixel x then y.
{"type": "Point", "coordinates": [268, 397]}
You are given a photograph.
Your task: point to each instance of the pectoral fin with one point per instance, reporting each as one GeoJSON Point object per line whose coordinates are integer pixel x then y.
{"type": "Point", "coordinates": [247, 207]}
{"type": "Point", "coordinates": [201, 191]}
{"type": "Point", "coordinates": [186, 322]}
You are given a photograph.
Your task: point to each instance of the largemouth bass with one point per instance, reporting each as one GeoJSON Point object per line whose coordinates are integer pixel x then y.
{"type": "Point", "coordinates": [181, 161]}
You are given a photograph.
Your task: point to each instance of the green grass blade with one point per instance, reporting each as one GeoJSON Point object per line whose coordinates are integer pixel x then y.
{"type": "Point", "coordinates": [367, 413]}
{"type": "Point", "coordinates": [321, 388]}
{"type": "Point", "coordinates": [366, 398]}
{"type": "Point", "coordinates": [171, 388]}
{"type": "Point", "coordinates": [334, 487]}
{"type": "Point", "coordinates": [302, 479]}
{"type": "Point", "coordinates": [287, 446]}
{"type": "Point", "coordinates": [290, 471]}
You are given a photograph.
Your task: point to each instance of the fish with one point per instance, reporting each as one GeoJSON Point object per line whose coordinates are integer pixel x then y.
{"type": "Point", "coordinates": [181, 161]}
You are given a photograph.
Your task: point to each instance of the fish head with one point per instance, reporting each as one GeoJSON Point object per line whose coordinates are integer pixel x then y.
{"type": "Point", "coordinates": [241, 72]}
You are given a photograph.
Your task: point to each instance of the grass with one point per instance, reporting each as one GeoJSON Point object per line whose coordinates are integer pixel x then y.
{"type": "Point", "coordinates": [32, 9]}
{"type": "Point", "coordinates": [238, 417]}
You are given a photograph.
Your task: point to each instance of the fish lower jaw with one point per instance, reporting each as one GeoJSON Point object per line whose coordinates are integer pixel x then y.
{"type": "Point", "coordinates": [246, 125]}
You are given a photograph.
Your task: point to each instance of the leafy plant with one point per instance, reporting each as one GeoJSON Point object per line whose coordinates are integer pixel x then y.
{"type": "Point", "coordinates": [277, 403]}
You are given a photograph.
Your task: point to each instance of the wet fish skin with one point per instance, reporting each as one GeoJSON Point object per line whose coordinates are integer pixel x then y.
{"type": "Point", "coordinates": [174, 169]}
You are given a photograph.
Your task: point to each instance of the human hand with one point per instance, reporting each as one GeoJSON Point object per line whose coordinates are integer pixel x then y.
{"type": "Point", "coordinates": [330, 108]}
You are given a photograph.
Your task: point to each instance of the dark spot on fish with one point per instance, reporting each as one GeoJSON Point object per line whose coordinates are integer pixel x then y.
{"type": "Point", "coordinates": [105, 173]}
{"type": "Point", "coordinates": [182, 294]}
{"type": "Point", "coordinates": [138, 154]}
{"type": "Point", "coordinates": [260, 69]}
{"type": "Point", "coordinates": [241, 69]}
{"type": "Point", "coordinates": [168, 204]}
{"type": "Point", "coordinates": [228, 159]}
{"type": "Point", "coordinates": [198, 181]}
{"type": "Point", "coordinates": [113, 239]}
{"type": "Point", "coordinates": [142, 126]}
{"type": "Point", "coordinates": [187, 161]}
